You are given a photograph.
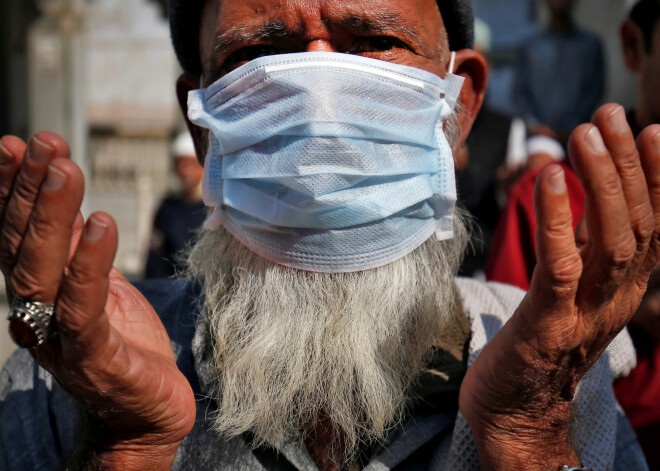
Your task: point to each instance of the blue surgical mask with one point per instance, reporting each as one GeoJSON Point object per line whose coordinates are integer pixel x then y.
{"type": "Point", "coordinates": [328, 162]}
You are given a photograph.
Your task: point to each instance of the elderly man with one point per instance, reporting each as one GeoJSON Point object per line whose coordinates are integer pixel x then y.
{"type": "Point", "coordinates": [321, 326]}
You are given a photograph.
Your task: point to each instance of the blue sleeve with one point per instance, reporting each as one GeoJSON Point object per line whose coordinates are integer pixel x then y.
{"type": "Point", "coordinates": [629, 455]}
{"type": "Point", "coordinates": [38, 421]}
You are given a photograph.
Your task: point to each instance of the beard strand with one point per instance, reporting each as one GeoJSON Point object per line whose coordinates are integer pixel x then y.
{"type": "Point", "coordinates": [292, 346]}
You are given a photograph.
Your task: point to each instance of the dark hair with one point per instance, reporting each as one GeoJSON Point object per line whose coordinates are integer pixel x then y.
{"type": "Point", "coordinates": [185, 21]}
{"type": "Point", "coordinates": [646, 14]}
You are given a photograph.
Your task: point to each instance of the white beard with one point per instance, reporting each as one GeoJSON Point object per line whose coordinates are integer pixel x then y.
{"type": "Point", "coordinates": [291, 346]}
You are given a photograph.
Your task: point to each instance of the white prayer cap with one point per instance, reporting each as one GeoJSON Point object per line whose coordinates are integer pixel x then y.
{"type": "Point", "coordinates": [545, 145]}
{"type": "Point", "coordinates": [183, 146]}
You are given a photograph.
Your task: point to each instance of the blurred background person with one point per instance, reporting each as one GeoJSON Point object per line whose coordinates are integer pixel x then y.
{"type": "Point", "coordinates": [640, 40]}
{"type": "Point", "coordinates": [512, 255]}
{"type": "Point", "coordinates": [560, 74]}
{"type": "Point", "coordinates": [495, 154]}
{"type": "Point", "coordinates": [180, 214]}
{"type": "Point", "coordinates": [512, 22]}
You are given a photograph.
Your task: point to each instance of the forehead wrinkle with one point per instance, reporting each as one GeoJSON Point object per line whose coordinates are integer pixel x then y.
{"type": "Point", "coordinates": [355, 23]}
{"type": "Point", "coordinates": [378, 22]}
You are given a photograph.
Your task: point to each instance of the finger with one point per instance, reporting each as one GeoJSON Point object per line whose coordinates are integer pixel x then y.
{"type": "Point", "coordinates": [12, 150]}
{"type": "Point", "coordinates": [76, 234]}
{"type": "Point", "coordinates": [41, 149]}
{"type": "Point", "coordinates": [45, 247]}
{"type": "Point", "coordinates": [648, 143]}
{"type": "Point", "coordinates": [559, 264]}
{"type": "Point", "coordinates": [612, 244]}
{"type": "Point", "coordinates": [81, 319]}
{"type": "Point", "coordinates": [581, 233]}
{"type": "Point", "coordinates": [617, 135]}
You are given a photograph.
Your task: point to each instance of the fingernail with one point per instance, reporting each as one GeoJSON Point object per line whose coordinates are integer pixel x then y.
{"type": "Point", "coordinates": [95, 229]}
{"type": "Point", "coordinates": [6, 157]}
{"type": "Point", "coordinates": [39, 152]}
{"type": "Point", "coordinates": [55, 179]}
{"type": "Point", "coordinates": [595, 141]}
{"type": "Point", "coordinates": [617, 121]}
{"type": "Point", "coordinates": [558, 181]}
{"type": "Point", "coordinates": [656, 143]}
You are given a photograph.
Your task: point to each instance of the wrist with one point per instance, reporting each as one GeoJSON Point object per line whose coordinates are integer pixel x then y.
{"type": "Point", "coordinates": [121, 458]}
{"type": "Point", "coordinates": [102, 449]}
{"type": "Point", "coordinates": [121, 455]}
{"type": "Point", "coordinates": [508, 441]}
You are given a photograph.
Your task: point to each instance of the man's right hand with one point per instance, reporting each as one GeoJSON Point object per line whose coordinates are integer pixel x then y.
{"type": "Point", "coordinates": [111, 353]}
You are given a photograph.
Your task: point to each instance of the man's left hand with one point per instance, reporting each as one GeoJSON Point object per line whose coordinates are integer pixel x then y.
{"type": "Point", "coordinates": [517, 395]}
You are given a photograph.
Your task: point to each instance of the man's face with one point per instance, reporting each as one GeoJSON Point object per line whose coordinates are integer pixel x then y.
{"type": "Point", "coordinates": [408, 32]}
{"type": "Point", "coordinates": [189, 171]}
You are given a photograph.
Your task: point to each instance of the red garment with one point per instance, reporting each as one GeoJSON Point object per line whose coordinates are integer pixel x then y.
{"type": "Point", "coordinates": [639, 395]}
{"type": "Point", "coordinates": [511, 260]}
{"type": "Point", "coordinates": [512, 254]}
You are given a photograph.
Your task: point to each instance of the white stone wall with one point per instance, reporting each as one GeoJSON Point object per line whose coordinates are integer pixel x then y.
{"type": "Point", "coordinates": [132, 111]}
{"type": "Point", "coordinates": [131, 67]}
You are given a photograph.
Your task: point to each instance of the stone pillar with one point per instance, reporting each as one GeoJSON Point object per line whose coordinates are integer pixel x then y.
{"type": "Point", "coordinates": [56, 82]}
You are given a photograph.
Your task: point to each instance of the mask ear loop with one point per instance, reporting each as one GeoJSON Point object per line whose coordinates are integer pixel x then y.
{"type": "Point", "coordinates": [442, 235]}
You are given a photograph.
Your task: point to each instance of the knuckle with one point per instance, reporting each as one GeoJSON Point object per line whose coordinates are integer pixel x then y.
{"type": "Point", "coordinates": [5, 192]}
{"type": "Point", "coordinates": [619, 255]}
{"type": "Point", "coordinates": [25, 193]}
{"type": "Point", "coordinates": [565, 270]}
{"type": "Point", "coordinates": [654, 186]}
{"type": "Point", "coordinates": [559, 226]}
{"type": "Point", "coordinates": [10, 240]}
{"type": "Point", "coordinates": [81, 277]}
{"type": "Point", "coordinates": [27, 285]}
{"type": "Point", "coordinates": [654, 247]}
{"type": "Point", "coordinates": [645, 227]}
{"type": "Point", "coordinates": [43, 228]}
{"type": "Point", "coordinates": [627, 161]}
{"type": "Point", "coordinates": [71, 320]}
{"type": "Point", "coordinates": [610, 186]}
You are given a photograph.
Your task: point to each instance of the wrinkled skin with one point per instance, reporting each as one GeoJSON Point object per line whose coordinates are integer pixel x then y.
{"type": "Point", "coordinates": [113, 353]}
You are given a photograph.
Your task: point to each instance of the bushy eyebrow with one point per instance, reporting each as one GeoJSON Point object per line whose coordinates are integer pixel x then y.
{"type": "Point", "coordinates": [248, 34]}
{"type": "Point", "coordinates": [274, 30]}
{"type": "Point", "coordinates": [380, 23]}
{"type": "Point", "coordinates": [244, 34]}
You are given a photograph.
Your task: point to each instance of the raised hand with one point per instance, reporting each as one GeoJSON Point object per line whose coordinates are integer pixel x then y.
{"type": "Point", "coordinates": [517, 395]}
{"type": "Point", "coordinates": [110, 351]}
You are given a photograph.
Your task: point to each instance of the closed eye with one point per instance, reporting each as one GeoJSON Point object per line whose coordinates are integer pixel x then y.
{"type": "Point", "coordinates": [375, 44]}
{"type": "Point", "coordinates": [249, 53]}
